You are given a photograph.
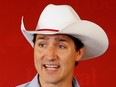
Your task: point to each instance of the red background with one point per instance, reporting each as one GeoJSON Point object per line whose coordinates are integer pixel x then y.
{"type": "Point", "coordinates": [16, 55]}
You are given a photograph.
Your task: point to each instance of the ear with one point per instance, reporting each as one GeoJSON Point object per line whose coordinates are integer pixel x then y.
{"type": "Point", "coordinates": [80, 53]}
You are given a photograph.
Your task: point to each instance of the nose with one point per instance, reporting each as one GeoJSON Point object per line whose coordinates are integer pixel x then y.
{"type": "Point", "coordinates": [51, 53]}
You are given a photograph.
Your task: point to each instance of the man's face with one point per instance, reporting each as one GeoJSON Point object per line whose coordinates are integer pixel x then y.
{"type": "Point", "coordinates": [54, 58]}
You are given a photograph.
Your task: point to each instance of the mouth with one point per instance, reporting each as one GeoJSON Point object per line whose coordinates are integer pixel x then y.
{"type": "Point", "coordinates": [51, 67]}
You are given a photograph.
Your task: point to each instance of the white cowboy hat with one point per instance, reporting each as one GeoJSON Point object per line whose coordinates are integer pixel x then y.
{"type": "Point", "coordinates": [62, 19]}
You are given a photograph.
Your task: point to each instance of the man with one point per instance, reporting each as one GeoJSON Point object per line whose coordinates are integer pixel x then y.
{"type": "Point", "coordinates": [60, 40]}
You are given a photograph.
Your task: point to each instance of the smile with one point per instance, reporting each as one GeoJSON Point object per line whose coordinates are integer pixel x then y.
{"type": "Point", "coordinates": [51, 67]}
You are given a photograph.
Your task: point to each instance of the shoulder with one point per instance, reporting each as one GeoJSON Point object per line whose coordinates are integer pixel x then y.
{"type": "Point", "coordinates": [24, 85]}
{"type": "Point", "coordinates": [33, 83]}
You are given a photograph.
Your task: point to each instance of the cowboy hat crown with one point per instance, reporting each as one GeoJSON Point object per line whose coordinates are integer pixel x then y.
{"type": "Point", "coordinates": [57, 17]}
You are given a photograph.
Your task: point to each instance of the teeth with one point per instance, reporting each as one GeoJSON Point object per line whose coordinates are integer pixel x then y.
{"type": "Point", "coordinates": [51, 67]}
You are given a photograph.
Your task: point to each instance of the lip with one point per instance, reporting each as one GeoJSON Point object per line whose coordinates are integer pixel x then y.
{"type": "Point", "coordinates": [51, 68]}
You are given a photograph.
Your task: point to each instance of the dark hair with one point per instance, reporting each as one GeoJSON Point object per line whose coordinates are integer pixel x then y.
{"type": "Point", "coordinates": [34, 38]}
{"type": "Point", "coordinates": [78, 45]}
{"type": "Point", "coordinates": [77, 42]}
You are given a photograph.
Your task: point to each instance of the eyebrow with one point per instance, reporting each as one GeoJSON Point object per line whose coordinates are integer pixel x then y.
{"type": "Point", "coordinates": [40, 37]}
{"type": "Point", "coordinates": [59, 39]}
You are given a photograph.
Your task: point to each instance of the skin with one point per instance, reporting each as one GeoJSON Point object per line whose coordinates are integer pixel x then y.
{"type": "Point", "coordinates": [54, 58]}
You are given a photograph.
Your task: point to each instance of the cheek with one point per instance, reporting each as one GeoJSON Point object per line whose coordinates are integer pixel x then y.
{"type": "Point", "coordinates": [38, 53]}
{"type": "Point", "coordinates": [37, 57]}
{"type": "Point", "coordinates": [68, 63]}
{"type": "Point", "coordinates": [36, 60]}
{"type": "Point", "coordinates": [68, 58]}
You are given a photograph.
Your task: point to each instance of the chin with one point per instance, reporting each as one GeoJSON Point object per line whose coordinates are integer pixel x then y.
{"type": "Point", "coordinates": [51, 79]}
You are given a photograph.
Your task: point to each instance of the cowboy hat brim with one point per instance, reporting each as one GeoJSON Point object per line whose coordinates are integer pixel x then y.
{"type": "Point", "coordinates": [90, 34]}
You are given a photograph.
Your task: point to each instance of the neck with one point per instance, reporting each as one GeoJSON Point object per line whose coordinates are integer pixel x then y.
{"type": "Point", "coordinates": [67, 83]}
{"type": "Point", "coordinates": [57, 85]}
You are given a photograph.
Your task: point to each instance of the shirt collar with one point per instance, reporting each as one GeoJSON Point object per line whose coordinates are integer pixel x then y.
{"type": "Point", "coordinates": [75, 82]}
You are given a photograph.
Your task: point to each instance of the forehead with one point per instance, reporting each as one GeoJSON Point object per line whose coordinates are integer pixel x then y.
{"type": "Point", "coordinates": [56, 36]}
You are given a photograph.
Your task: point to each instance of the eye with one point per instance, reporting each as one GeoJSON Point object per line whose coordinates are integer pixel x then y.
{"type": "Point", "coordinates": [42, 45]}
{"type": "Point", "coordinates": [61, 46]}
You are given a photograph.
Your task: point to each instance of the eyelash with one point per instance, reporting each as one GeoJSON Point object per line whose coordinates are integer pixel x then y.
{"type": "Point", "coordinates": [61, 46]}
{"type": "Point", "coordinates": [43, 45]}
